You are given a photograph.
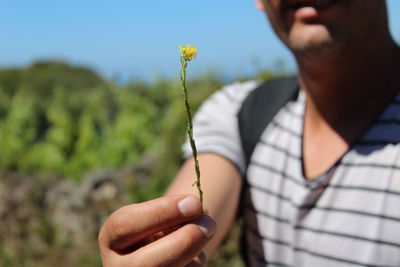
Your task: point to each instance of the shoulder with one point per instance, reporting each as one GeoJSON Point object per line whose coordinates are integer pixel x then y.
{"type": "Point", "coordinates": [241, 88]}
{"type": "Point", "coordinates": [234, 93]}
{"type": "Point", "coordinates": [215, 126]}
{"type": "Point", "coordinates": [225, 103]}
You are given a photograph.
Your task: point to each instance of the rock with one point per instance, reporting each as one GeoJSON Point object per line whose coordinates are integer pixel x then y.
{"type": "Point", "coordinates": [47, 219]}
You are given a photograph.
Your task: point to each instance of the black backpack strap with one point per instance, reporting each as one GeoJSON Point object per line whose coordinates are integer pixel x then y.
{"type": "Point", "coordinates": [257, 111]}
{"type": "Point", "coordinates": [260, 107]}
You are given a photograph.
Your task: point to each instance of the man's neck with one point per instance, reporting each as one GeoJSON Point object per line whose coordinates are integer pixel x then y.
{"type": "Point", "coordinates": [351, 87]}
{"type": "Point", "coordinates": [343, 97]}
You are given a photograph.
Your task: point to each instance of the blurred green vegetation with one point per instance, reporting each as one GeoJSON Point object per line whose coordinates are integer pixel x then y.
{"type": "Point", "coordinates": [58, 119]}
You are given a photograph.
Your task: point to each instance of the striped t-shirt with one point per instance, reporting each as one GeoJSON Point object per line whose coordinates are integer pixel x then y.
{"type": "Point", "coordinates": [350, 216]}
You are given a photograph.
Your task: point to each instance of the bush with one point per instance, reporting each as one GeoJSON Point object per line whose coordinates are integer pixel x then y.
{"type": "Point", "coordinates": [65, 121]}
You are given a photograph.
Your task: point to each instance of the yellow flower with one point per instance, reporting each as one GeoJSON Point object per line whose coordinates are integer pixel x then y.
{"type": "Point", "coordinates": [188, 52]}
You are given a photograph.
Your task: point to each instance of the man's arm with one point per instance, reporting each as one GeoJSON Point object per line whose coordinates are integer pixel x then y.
{"type": "Point", "coordinates": [221, 183]}
{"type": "Point", "coordinates": [168, 232]}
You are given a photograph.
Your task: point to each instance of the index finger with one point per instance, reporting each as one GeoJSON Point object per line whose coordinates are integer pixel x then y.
{"type": "Point", "coordinates": [132, 223]}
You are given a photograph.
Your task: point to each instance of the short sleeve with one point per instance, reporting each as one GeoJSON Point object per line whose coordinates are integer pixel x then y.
{"type": "Point", "coordinates": [215, 125]}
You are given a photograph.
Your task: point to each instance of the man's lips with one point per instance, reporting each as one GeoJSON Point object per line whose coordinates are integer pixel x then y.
{"type": "Point", "coordinates": [317, 4]}
{"type": "Point", "coordinates": [307, 9]}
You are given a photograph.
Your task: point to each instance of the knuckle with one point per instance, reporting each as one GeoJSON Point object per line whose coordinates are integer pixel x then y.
{"type": "Point", "coordinates": [165, 203]}
{"type": "Point", "coordinates": [162, 210]}
{"type": "Point", "coordinates": [107, 229]}
{"type": "Point", "coordinates": [191, 237]}
{"type": "Point", "coordinates": [101, 238]}
{"type": "Point", "coordinates": [118, 223]}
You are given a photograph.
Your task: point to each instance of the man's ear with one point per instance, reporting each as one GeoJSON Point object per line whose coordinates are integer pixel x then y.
{"type": "Point", "coordinates": [260, 5]}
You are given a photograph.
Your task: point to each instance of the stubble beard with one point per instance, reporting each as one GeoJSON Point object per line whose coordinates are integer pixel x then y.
{"type": "Point", "coordinates": [336, 41]}
{"type": "Point", "coordinates": [329, 47]}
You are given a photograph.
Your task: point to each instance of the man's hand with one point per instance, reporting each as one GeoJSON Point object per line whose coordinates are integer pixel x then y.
{"type": "Point", "coordinates": [168, 231]}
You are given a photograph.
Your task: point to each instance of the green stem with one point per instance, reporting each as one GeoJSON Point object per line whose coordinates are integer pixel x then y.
{"type": "Point", "coordinates": [190, 129]}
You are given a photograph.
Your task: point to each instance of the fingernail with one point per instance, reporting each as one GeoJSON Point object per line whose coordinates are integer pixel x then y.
{"type": "Point", "coordinates": [189, 206]}
{"type": "Point", "coordinates": [207, 225]}
{"type": "Point", "coordinates": [200, 260]}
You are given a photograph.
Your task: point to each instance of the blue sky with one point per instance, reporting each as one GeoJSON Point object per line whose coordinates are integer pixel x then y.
{"type": "Point", "coordinates": [139, 39]}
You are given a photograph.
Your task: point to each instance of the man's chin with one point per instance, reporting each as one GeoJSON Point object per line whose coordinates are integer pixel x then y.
{"type": "Point", "coordinates": [322, 50]}
{"type": "Point", "coordinates": [314, 40]}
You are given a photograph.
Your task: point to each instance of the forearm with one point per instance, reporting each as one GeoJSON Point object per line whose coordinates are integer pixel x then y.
{"type": "Point", "coordinates": [221, 183]}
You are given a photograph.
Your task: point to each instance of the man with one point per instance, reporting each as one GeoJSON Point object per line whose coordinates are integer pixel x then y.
{"type": "Point", "coordinates": [323, 183]}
